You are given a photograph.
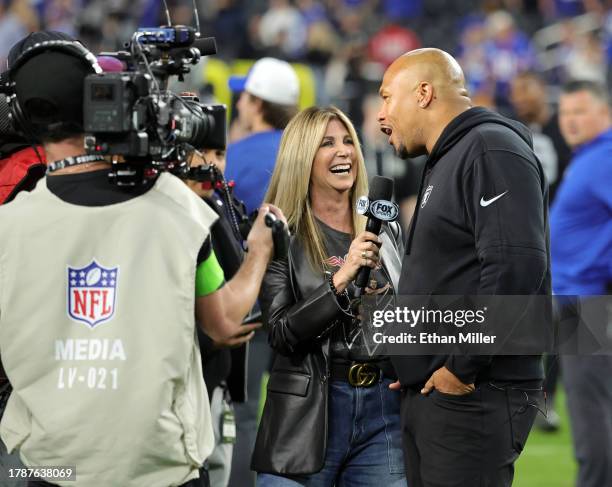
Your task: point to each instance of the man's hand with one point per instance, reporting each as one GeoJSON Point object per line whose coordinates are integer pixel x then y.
{"type": "Point", "coordinates": [443, 380]}
{"type": "Point", "coordinates": [395, 386]}
{"type": "Point", "coordinates": [221, 313]}
{"type": "Point", "coordinates": [244, 335]}
{"type": "Point", "coordinates": [260, 236]}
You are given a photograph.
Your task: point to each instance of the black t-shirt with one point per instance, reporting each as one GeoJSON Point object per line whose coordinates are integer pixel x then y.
{"type": "Point", "coordinates": [347, 343]}
{"type": "Point", "coordinates": [217, 362]}
{"type": "Point", "coordinates": [93, 188]}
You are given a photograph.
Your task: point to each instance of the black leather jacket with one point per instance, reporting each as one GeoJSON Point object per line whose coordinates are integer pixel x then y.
{"type": "Point", "coordinates": [299, 307]}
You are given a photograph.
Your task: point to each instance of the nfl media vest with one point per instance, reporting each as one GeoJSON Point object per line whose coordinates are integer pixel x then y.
{"type": "Point", "coordinates": [97, 335]}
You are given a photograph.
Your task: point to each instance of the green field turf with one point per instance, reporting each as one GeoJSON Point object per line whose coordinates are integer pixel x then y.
{"type": "Point", "coordinates": [548, 460]}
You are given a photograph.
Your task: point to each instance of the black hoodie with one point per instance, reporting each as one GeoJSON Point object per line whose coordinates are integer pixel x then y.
{"type": "Point", "coordinates": [480, 227]}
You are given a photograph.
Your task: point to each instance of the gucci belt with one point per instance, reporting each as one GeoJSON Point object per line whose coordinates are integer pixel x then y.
{"type": "Point", "coordinates": [357, 374]}
{"type": "Point", "coordinates": [363, 375]}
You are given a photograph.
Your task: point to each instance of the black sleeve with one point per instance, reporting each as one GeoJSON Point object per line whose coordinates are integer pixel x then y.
{"type": "Point", "coordinates": [226, 247]}
{"type": "Point", "coordinates": [505, 202]}
{"type": "Point", "coordinates": [293, 323]}
{"type": "Point", "coordinates": [205, 250]}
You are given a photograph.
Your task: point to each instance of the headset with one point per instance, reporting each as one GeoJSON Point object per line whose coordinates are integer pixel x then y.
{"type": "Point", "coordinates": [8, 87]}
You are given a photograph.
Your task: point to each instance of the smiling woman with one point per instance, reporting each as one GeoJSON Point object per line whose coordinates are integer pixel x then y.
{"type": "Point", "coordinates": [333, 164]}
{"type": "Point", "coordinates": [329, 415]}
{"type": "Point", "coordinates": [311, 179]}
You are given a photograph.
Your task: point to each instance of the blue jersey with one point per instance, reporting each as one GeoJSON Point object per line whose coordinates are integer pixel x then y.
{"type": "Point", "coordinates": [250, 162]}
{"type": "Point", "coordinates": [581, 222]}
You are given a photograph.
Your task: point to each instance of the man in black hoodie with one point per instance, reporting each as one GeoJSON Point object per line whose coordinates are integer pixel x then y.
{"type": "Point", "coordinates": [480, 227]}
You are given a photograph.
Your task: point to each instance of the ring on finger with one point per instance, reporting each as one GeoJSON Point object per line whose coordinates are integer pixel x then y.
{"type": "Point", "coordinates": [364, 254]}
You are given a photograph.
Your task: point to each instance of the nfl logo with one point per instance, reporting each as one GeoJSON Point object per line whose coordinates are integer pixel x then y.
{"type": "Point", "coordinates": [91, 293]}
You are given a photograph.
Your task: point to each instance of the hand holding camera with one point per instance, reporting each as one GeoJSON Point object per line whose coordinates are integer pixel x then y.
{"type": "Point", "coordinates": [276, 241]}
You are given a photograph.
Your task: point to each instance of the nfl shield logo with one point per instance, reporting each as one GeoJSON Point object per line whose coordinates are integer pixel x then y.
{"type": "Point", "coordinates": [91, 293]}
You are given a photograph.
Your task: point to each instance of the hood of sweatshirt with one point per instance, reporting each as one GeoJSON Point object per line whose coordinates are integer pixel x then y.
{"type": "Point", "coordinates": [467, 120]}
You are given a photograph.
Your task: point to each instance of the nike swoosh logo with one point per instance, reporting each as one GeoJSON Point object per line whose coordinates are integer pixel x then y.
{"type": "Point", "coordinates": [484, 202]}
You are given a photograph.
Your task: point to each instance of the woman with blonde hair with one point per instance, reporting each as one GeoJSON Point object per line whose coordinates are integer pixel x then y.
{"type": "Point", "coordinates": [330, 418]}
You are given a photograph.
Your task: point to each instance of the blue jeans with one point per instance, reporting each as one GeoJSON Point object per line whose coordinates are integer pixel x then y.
{"type": "Point", "coordinates": [364, 445]}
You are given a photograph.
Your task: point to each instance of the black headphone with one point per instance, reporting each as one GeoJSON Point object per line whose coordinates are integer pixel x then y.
{"type": "Point", "coordinates": [7, 85]}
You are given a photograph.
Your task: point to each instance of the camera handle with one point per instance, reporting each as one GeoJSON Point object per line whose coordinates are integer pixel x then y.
{"type": "Point", "coordinates": [280, 236]}
{"type": "Point", "coordinates": [280, 233]}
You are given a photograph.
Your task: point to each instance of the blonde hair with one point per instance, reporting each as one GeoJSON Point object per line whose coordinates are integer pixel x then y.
{"type": "Point", "coordinates": [290, 183]}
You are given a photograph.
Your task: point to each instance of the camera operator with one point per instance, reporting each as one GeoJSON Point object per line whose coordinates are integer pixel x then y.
{"type": "Point", "coordinates": [97, 300]}
{"type": "Point", "coordinates": [224, 363]}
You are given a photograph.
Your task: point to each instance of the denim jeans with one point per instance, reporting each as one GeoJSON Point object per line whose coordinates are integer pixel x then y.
{"type": "Point", "coordinates": [363, 444]}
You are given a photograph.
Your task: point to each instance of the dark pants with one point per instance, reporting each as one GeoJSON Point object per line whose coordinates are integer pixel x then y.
{"type": "Point", "coordinates": [552, 371]}
{"type": "Point", "coordinates": [583, 324]}
{"type": "Point", "coordinates": [588, 386]}
{"type": "Point", "coordinates": [259, 360]}
{"type": "Point", "coordinates": [471, 440]}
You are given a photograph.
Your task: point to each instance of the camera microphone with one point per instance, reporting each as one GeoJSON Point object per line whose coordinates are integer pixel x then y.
{"type": "Point", "coordinates": [206, 45]}
{"type": "Point", "coordinates": [378, 207]}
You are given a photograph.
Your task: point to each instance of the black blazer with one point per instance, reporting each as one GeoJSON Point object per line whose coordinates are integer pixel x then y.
{"type": "Point", "coordinates": [300, 309]}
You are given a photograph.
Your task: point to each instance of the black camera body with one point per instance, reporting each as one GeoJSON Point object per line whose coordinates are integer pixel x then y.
{"type": "Point", "coordinates": [131, 113]}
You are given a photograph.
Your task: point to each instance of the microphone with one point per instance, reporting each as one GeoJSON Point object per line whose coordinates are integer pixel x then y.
{"type": "Point", "coordinates": [206, 45]}
{"type": "Point", "coordinates": [378, 207]}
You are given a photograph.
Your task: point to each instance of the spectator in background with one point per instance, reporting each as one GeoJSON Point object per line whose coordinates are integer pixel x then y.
{"type": "Point", "coordinates": [282, 30]}
{"type": "Point", "coordinates": [529, 99]}
{"type": "Point", "coordinates": [472, 57]}
{"type": "Point", "coordinates": [562, 9]}
{"type": "Point", "coordinates": [390, 42]}
{"type": "Point", "coordinates": [59, 15]}
{"type": "Point", "coordinates": [121, 19]}
{"type": "Point", "coordinates": [18, 18]}
{"type": "Point", "coordinates": [507, 53]}
{"type": "Point", "coordinates": [228, 24]}
{"type": "Point", "coordinates": [312, 12]}
{"type": "Point", "coordinates": [322, 40]}
{"type": "Point", "coordinates": [402, 10]}
{"type": "Point", "coordinates": [581, 251]}
{"type": "Point", "coordinates": [345, 82]}
{"type": "Point", "coordinates": [268, 100]}
{"type": "Point", "coordinates": [583, 56]}
{"type": "Point", "coordinates": [607, 39]}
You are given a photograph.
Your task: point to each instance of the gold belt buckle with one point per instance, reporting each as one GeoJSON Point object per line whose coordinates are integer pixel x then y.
{"type": "Point", "coordinates": [362, 375]}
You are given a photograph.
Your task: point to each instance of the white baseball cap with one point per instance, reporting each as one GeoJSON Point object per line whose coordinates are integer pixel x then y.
{"type": "Point", "coordinates": [270, 79]}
